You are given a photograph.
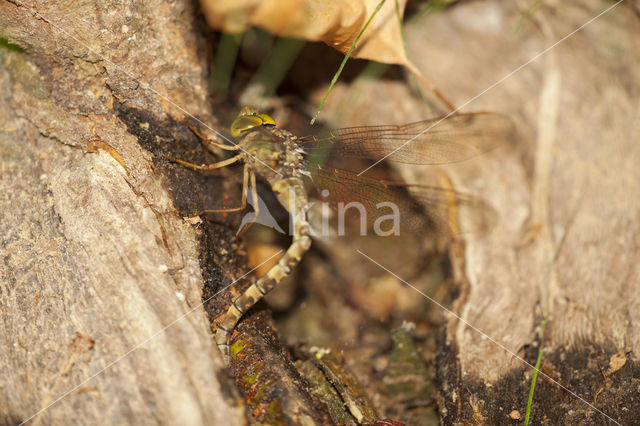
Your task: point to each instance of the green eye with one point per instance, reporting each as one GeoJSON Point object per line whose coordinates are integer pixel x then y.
{"type": "Point", "coordinates": [244, 123]}
{"type": "Point", "coordinates": [267, 120]}
{"type": "Point", "coordinates": [248, 119]}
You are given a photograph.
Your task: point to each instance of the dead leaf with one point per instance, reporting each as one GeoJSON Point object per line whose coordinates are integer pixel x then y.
{"type": "Point", "coordinates": [617, 361]}
{"type": "Point", "coordinates": [263, 257]}
{"type": "Point", "coordinates": [336, 23]}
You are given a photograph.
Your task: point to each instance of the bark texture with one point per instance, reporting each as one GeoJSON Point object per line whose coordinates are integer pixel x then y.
{"type": "Point", "coordinates": [567, 240]}
{"type": "Point", "coordinates": [567, 243]}
{"type": "Point", "coordinates": [100, 283]}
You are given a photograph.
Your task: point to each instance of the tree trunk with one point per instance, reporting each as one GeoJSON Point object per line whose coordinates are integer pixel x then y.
{"type": "Point", "coordinates": [567, 241]}
{"type": "Point", "coordinates": [100, 285]}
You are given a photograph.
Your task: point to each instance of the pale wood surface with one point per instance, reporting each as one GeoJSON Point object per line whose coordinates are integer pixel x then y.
{"type": "Point", "coordinates": [96, 260]}
{"type": "Point", "coordinates": [568, 191]}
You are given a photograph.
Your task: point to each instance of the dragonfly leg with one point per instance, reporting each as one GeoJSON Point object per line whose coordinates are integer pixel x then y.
{"type": "Point", "coordinates": [243, 202]}
{"type": "Point", "coordinates": [211, 142]}
{"type": "Point", "coordinates": [211, 166]}
{"type": "Point", "coordinates": [299, 246]}
{"type": "Point", "coordinates": [256, 205]}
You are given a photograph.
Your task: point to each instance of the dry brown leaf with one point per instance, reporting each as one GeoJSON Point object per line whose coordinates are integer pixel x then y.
{"type": "Point", "coordinates": [263, 257]}
{"type": "Point", "coordinates": [617, 361]}
{"type": "Point", "coordinates": [336, 23]}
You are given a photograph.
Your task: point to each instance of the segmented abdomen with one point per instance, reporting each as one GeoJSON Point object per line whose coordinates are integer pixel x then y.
{"type": "Point", "coordinates": [292, 196]}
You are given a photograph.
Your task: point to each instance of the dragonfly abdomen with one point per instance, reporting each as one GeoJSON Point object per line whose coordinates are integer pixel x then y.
{"type": "Point", "coordinates": [292, 195]}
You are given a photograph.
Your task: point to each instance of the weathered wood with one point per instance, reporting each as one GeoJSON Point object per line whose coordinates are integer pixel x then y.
{"type": "Point", "coordinates": [568, 236]}
{"type": "Point", "coordinates": [100, 283]}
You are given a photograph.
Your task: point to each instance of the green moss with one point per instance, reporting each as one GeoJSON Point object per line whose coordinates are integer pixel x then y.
{"type": "Point", "coordinates": [6, 44]}
{"type": "Point", "coordinates": [25, 72]}
{"type": "Point", "coordinates": [253, 375]}
{"type": "Point", "coordinates": [406, 378]}
{"type": "Point", "coordinates": [249, 379]}
{"type": "Point", "coordinates": [274, 408]}
{"type": "Point", "coordinates": [237, 347]}
{"type": "Point", "coordinates": [265, 386]}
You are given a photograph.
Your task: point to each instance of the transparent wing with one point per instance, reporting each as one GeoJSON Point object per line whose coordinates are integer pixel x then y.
{"type": "Point", "coordinates": [438, 141]}
{"type": "Point", "coordinates": [422, 210]}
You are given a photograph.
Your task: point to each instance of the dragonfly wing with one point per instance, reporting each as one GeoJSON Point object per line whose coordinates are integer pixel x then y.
{"type": "Point", "coordinates": [438, 141]}
{"type": "Point", "coordinates": [422, 210]}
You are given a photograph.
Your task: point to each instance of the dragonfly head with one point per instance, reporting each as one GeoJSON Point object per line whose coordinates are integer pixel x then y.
{"type": "Point", "coordinates": [247, 119]}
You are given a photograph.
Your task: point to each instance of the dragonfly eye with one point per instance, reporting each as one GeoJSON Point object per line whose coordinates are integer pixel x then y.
{"type": "Point", "coordinates": [248, 119]}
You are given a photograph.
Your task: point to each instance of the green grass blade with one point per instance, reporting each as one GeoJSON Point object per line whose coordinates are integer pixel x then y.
{"type": "Point", "coordinates": [274, 68]}
{"type": "Point", "coordinates": [534, 379]}
{"type": "Point", "coordinates": [547, 280]}
{"type": "Point", "coordinates": [224, 62]}
{"type": "Point", "coordinates": [344, 61]}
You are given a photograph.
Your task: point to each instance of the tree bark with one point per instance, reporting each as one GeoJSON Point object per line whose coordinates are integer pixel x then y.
{"type": "Point", "coordinates": [567, 241]}
{"type": "Point", "coordinates": [100, 283]}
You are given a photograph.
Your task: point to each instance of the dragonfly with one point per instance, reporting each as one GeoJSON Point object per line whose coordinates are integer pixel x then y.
{"type": "Point", "coordinates": [290, 165]}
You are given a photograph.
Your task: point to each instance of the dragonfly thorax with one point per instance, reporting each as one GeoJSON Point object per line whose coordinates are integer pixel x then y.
{"type": "Point", "coordinates": [272, 152]}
